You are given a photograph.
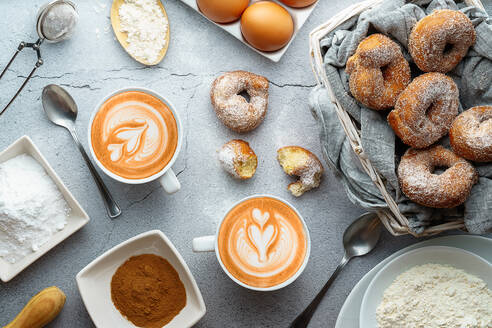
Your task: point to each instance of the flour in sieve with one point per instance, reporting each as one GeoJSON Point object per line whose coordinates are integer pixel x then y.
{"type": "Point", "coordinates": [146, 26]}
{"type": "Point", "coordinates": [32, 208]}
{"type": "Point", "coordinates": [436, 296]}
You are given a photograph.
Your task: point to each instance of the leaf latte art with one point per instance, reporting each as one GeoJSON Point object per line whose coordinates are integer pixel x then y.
{"type": "Point", "coordinates": [134, 135]}
{"type": "Point", "coordinates": [262, 242]}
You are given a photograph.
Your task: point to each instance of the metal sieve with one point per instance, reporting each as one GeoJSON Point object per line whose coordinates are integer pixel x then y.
{"type": "Point", "coordinates": [51, 27]}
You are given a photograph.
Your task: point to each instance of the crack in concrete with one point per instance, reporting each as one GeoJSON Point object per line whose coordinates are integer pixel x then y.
{"type": "Point", "coordinates": [132, 69]}
{"type": "Point", "coordinates": [141, 199]}
{"type": "Point", "coordinates": [293, 85]}
{"type": "Point", "coordinates": [85, 86]}
{"type": "Point", "coordinates": [108, 238]}
{"type": "Point", "coordinates": [187, 128]}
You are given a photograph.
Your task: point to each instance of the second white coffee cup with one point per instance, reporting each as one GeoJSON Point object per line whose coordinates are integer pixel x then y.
{"type": "Point", "coordinates": [210, 244]}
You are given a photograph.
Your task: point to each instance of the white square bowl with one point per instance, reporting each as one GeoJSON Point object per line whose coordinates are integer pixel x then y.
{"type": "Point", "coordinates": [94, 281]}
{"type": "Point", "coordinates": [76, 220]}
{"type": "Point", "coordinates": [299, 16]}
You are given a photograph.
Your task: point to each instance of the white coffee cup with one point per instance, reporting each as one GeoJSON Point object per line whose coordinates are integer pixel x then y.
{"type": "Point", "coordinates": [166, 176]}
{"type": "Point", "coordinates": [210, 244]}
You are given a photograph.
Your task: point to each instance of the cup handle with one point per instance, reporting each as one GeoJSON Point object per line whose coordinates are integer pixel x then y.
{"type": "Point", "coordinates": [170, 182]}
{"type": "Point", "coordinates": [204, 244]}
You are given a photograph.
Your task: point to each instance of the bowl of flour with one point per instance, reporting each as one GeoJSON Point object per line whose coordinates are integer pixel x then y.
{"type": "Point", "coordinates": [431, 287]}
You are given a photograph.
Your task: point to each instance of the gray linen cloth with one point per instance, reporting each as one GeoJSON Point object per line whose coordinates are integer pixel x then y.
{"type": "Point", "coordinates": [395, 18]}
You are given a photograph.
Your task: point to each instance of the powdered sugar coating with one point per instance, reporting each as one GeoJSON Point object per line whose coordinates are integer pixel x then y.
{"type": "Point", "coordinates": [310, 173]}
{"type": "Point", "coordinates": [378, 72]}
{"type": "Point", "coordinates": [232, 109]}
{"type": "Point", "coordinates": [425, 110]}
{"type": "Point", "coordinates": [438, 42]}
{"type": "Point", "coordinates": [471, 134]}
{"type": "Point", "coordinates": [226, 156]}
{"type": "Point", "coordinates": [446, 190]}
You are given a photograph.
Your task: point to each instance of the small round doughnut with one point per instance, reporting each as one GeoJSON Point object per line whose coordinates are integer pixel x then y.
{"type": "Point", "coordinates": [471, 134]}
{"type": "Point", "coordinates": [378, 72]}
{"type": "Point", "coordinates": [425, 110]}
{"type": "Point", "coordinates": [233, 109]}
{"type": "Point", "coordinates": [421, 184]}
{"type": "Point", "coordinates": [301, 162]}
{"type": "Point", "coordinates": [238, 159]}
{"type": "Point", "coordinates": [438, 42]}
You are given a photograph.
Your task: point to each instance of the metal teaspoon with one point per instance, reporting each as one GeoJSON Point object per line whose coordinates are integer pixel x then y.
{"type": "Point", "coordinates": [61, 109]}
{"type": "Point", "coordinates": [358, 239]}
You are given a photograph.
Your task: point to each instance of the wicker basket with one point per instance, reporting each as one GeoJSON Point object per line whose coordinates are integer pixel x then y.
{"type": "Point", "coordinates": [392, 218]}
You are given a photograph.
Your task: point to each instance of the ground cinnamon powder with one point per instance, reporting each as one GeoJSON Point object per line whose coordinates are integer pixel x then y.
{"type": "Point", "coordinates": [146, 289]}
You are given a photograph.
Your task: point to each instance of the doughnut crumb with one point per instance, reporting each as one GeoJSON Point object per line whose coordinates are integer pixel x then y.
{"type": "Point", "coordinates": [238, 159]}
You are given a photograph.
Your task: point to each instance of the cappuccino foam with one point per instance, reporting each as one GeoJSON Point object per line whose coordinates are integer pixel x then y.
{"type": "Point", "coordinates": [134, 135]}
{"type": "Point", "coordinates": [262, 242]}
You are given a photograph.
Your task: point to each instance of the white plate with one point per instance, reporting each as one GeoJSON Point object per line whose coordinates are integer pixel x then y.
{"type": "Point", "coordinates": [349, 313]}
{"type": "Point", "coordinates": [76, 220]}
{"type": "Point", "coordinates": [94, 281]}
{"type": "Point", "coordinates": [299, 15]}
{"type": "Point", "coordinates": [452, 256]}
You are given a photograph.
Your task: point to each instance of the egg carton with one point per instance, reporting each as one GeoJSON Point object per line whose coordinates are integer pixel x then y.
{"type": "Point", "coordinates": [299, 15]}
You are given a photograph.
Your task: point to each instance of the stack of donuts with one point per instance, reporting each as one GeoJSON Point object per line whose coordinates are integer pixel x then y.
{"type": "Point", "coordinates": [426, 108]}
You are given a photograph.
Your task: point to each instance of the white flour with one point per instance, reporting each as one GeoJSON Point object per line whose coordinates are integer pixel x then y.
{"type": "Point", "coordinates": [436, 296]}
{"type": "Point", "coordinates": [32, 208]}
{"type": "Point", "coordinates": [146, 25]}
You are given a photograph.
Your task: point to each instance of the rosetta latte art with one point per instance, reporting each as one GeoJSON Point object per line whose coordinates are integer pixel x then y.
{"type": "Point", "coordinates": [264, 246]}
{"type": "Point", "coordinates": [135, 136]}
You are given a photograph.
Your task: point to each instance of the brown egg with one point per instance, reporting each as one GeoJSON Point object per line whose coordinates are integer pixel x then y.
{"type": "Point", "coordinates": [222, 11]}
{"type": "Point", "coordinates": [298, 3]}
{"type": "Point", "coordinates": [267, 26]}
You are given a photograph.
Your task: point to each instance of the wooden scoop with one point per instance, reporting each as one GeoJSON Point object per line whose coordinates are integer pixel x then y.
{"type": "Point", "coordinates": [40, 310]}
{"type": "Point", "coordinates": [122, 36]}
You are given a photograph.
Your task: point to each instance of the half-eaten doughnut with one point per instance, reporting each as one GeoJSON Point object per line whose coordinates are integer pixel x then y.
{"type": "Point", "coordinates": [302, 163]}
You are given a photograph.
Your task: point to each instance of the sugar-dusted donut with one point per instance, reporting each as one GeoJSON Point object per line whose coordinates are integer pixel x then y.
{"type": "Point", "coordinates": [234, 110]}
{"type": "Point", "coordinates": [438, 42]}
{"type": "Point", "coordinates": [301, 162]}
{"type": "Point", "coordinates": [471, 134]}
{"type": "Point", "coordinates": [425, 110]}
{"type": "Point", "coordinates": [378, 72]}
{"type": "Point", "coordinates": [238, 159]}
{"type": "Point", "coordinates": [421, 184]}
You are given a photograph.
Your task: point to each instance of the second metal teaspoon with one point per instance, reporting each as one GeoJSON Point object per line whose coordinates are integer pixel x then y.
{"type": "Point", "coordinates": [358, 239]}
{"type": "Point", "coordinates": [62, 110]}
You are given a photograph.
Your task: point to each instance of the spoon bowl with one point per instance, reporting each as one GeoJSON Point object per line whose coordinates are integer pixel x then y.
{"type": "Point", "coordinates": [59, 106]}
{"type": "Point", "coordinates": [362, 235]}
{"type": "Point", "coordinates": [122, 36]}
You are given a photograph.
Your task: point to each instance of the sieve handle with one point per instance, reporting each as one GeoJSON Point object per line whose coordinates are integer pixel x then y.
{"type": "Point", "coordinates": [39, 62]}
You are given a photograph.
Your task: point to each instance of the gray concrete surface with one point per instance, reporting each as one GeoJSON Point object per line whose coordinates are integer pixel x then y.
{"type": "Point", "coordinates": [91, 65]}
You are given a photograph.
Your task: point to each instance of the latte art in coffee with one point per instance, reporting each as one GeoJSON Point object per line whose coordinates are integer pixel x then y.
{"type": "Point", "coordinates": [134, 135]}
{"type": "Point", "coordinates": [262, 242]}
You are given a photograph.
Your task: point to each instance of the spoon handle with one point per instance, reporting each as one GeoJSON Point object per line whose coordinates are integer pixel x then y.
{"type": "Point", "coordinates": [111, 207]}
{"type": "Point", "coordinates": [303, 319]}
